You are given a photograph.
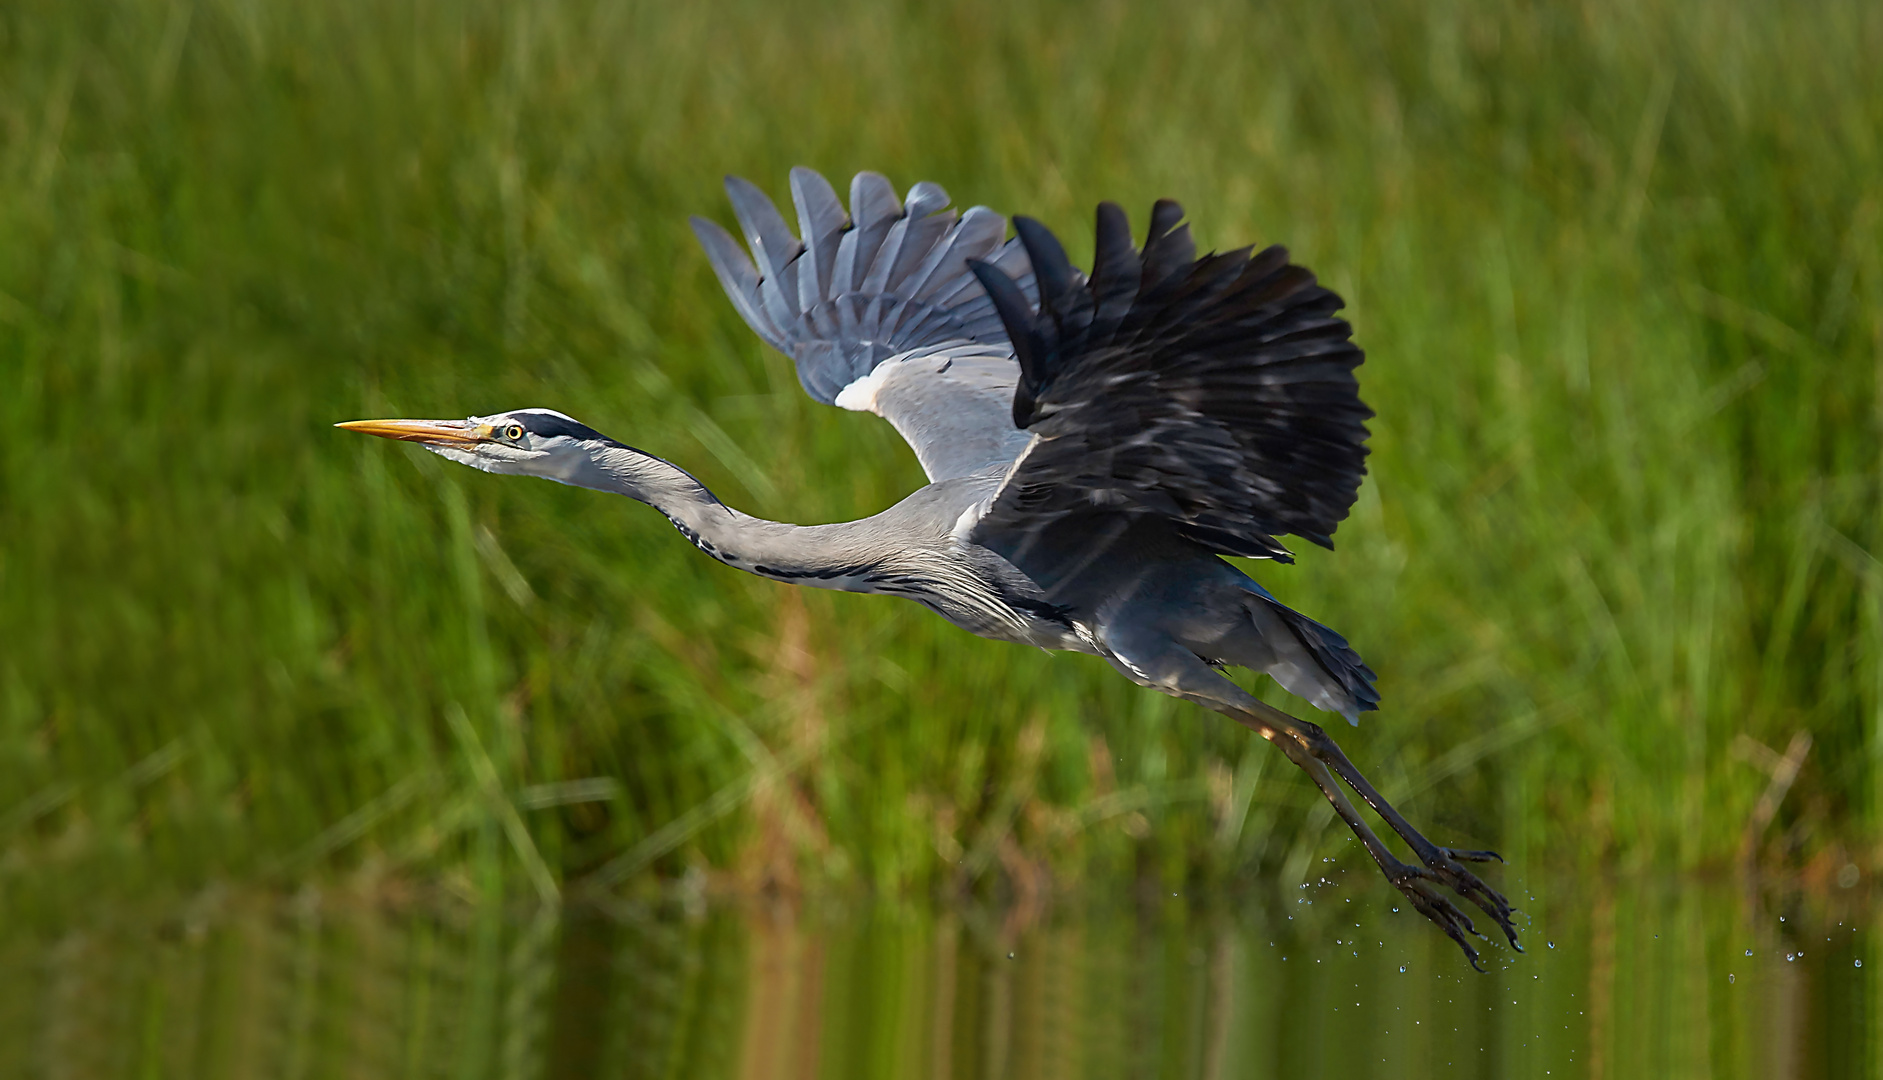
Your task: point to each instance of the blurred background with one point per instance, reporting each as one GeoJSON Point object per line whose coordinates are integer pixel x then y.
{"type": "Point", "coordinates": [1617, 267]}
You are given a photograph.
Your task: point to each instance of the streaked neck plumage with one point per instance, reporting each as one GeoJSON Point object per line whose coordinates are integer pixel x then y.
{"type": "Point", "coordinates": [812, 554]}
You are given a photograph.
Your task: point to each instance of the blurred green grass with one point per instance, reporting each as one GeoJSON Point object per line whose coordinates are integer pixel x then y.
{"type": "Point", "coordinates": [1616, 267]}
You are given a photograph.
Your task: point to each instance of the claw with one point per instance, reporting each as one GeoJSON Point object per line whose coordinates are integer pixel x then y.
{"type": "Point", "coordinates": [1473, 856]}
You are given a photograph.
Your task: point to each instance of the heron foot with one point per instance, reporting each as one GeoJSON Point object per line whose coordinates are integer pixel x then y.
{"type": "Point", "coordinates": [1445, 865]}
{"type": "Point", "coordinates": [1310, 747]}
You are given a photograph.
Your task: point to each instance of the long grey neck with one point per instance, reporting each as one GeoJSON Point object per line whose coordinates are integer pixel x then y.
{"type": "Point", "coordinates": [907, 550]}
{"type": "Point", "coordinates": [830, 556]}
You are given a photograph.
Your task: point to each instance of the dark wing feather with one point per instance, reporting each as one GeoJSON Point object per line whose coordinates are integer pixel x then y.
{"type": "Point", "coordinates": [1217, 392]}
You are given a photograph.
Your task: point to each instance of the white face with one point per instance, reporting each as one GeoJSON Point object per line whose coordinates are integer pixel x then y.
{"type": "Point", "coordinates": [522, 442]}
{"type": "Point", "coordinates": [506, 444]}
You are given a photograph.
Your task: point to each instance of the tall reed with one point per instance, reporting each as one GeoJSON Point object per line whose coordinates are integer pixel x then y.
{"type": "Point", "coordinates": [1616, 267]}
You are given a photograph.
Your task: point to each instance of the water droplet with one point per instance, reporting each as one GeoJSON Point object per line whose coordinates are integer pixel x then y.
{"type": "Point", "coordinates": [1010, 956]}
{"type": "Point", "coordinates": [1730, 978]}
{"type": "Point", "coordinates": [1859, 963]}
{"type": "Point", "coordinates": [1552, 944]}
{"type": "Point", "coordinates": [1402, 968]}
{"type": "Point", "coordinates": [1748, 952]}
{"type": "Point", "coordinates": [1789, 957]}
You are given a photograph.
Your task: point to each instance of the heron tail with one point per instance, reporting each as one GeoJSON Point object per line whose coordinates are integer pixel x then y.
{"type": "Point", "coordinates": [1311, 661]}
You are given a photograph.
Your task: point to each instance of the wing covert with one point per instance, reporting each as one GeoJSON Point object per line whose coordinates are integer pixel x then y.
{"type": "Point", "coordinates": [952, 403]}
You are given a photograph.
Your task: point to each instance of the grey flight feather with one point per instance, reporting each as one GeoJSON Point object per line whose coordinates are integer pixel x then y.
{"type": "Point", "coordinates": [823, 223]}
{"type": "Point", "coordinates": [889, 281]}
{"type": "Point", "coordinates": [853, 290]}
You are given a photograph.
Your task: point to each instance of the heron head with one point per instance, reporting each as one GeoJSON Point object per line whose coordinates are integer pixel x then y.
{"type": "Point", "coordinates": [522, 442]}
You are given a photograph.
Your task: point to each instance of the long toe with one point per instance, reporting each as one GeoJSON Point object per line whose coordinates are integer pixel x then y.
{"type": "Point", "coordinates": [1436, 907]}
{"type": "Point", "coordinates": [1471, 887]}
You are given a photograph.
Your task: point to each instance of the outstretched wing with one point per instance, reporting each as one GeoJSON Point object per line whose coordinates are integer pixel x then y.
{"type": "Point", "coordinates": [879, 310]}
{"type": "Point", "coordinates": [1217, 392]}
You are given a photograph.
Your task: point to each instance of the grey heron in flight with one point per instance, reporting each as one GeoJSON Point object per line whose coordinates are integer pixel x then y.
{"type": "Point", "coordinates": [1093, 443]}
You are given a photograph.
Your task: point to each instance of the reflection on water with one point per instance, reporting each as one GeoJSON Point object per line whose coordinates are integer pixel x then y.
{"type": "Point", "coordinates": [1636, 979]}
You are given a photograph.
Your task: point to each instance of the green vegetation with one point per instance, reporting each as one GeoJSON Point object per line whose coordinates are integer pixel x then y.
{"type": "Point", "coordinates": [1618, 269]}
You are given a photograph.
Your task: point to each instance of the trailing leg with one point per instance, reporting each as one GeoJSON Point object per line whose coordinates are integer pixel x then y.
{"type": "Point", "coordinates": [1152, 660]}
{"type": "Point", "coordinates": [1442, 863]}
{"type": "Point", "coordinates": [1408, 879]}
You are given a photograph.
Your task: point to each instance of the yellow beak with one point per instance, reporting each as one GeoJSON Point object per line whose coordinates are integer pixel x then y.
{"type": "Point", "coordinates": [434, 432]}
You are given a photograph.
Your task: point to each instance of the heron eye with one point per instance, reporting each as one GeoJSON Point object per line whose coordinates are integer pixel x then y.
{"type": "Point", "coordinates": [514, 432]}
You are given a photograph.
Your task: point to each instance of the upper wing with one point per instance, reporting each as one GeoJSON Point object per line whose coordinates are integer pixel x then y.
{"type": "Point", "coordinates": [1217, 393]}
{"type": "Point", "coordinates": [884, 282]}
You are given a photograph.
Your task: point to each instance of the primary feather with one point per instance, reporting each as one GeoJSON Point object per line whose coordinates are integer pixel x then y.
{"type": "Point", "coordinates": [1217, 393]}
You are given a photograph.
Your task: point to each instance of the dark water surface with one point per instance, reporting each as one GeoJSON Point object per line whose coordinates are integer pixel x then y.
{"type": "Point", "coordinates": [1628, 978]}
